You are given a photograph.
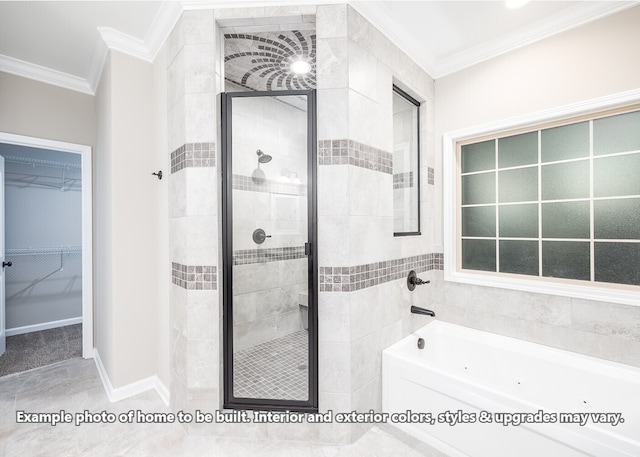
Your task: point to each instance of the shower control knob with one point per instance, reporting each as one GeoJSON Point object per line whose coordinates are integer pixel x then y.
{"type": "Point", "coordinates": [6, 264]}
{"type": "Point", "coordinates": [259, 236]}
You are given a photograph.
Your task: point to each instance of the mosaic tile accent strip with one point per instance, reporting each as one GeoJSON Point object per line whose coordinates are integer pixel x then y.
{"type": "Point", "coordinates": [276, 369]}
{"type": "Point", "coordinates": [403, 180]}
{"type": "Point", "coordinates": [193, 155]}
{"type": "Point", "coordinates": [194, 277]}
{"type": "Point", "coordinates": [273, 186]}
{"type": "Point", "coordinates": [348, 279]}
{"type": "Point", "coordinates": [431, 173]}
{"type": "Point", "coordinates": [248, 256]}
{"type": "Point", "coordinates": [343, 152]}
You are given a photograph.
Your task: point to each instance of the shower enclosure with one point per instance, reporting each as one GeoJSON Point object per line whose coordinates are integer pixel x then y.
{"type": "Point", "coordinates": [269, 239]}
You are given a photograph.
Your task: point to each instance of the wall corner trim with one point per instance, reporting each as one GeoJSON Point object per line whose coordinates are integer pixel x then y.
{"type": "Point", "coordinates": [131, 389]}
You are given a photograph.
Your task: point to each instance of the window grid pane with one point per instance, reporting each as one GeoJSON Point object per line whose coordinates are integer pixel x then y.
{"type": "Point", "coordinates": [579, 205]}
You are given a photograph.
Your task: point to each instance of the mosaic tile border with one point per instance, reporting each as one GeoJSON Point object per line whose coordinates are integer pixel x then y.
{"type": "Point", "coordinates": [431, 175]}
{"type": "Point", "coordinates": [240, 182]}
{"type": "Point", "coordinates": [193, 155]}
{"type": "Point", "coordinates": [350, 152]}
{"type": "Point", "coordinates": [194, 277]}
{"type": "Point", "coordinates": [249, 256]}
{"type": "Point", "coordinates": [348, 279]}
{"type": "Point", "coordinates": [403, 180]}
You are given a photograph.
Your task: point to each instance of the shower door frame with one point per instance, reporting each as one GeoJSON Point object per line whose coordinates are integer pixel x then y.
{"type": "Point", "coordinates": [230, 401]}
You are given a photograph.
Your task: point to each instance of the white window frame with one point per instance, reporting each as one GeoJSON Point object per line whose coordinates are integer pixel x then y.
{"type": "Point", "coordinates": [629, 295]}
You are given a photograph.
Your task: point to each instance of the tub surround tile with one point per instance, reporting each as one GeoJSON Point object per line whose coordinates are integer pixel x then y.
{"type": "Point", "coordinates": [610, 319]}
{"type": "Point", "coordinates": [193, 155]}
{"type": "Point", "coordinates": [350, 152]}
{"type": "Point", "coordinates": [357, 277]}
{"type": "Point", "coordinates": [198, 277]}
{"type": "Point", "coordinates": [598, 329]}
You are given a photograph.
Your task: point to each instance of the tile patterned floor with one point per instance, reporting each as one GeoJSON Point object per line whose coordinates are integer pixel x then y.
{"type": "Point", "coordinates": [276, 369]}
{"type": "Point", "coordinates": [74, 386]}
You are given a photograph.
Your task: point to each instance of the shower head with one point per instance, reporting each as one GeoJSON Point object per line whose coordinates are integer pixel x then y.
{"type": "Point", "coordinates": [262, 157]}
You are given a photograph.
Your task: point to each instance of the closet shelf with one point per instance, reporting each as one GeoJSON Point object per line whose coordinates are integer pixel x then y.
{"type": "Point", "coordinates": [44, 250]}
{"type": "Point", "coordinates": [41, 162]}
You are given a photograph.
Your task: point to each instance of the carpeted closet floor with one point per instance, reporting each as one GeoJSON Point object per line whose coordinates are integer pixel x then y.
{"type": "Point", "coordinates": [37, 349]}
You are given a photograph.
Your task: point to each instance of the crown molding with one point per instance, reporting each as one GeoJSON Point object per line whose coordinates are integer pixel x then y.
{"type": "Point", "coordinates": [562, 21]}
{"type": "Point", "coordinates": [377, 14]}
{"type": "Point", "coordinates": [107, 38]}
{"type": "Point", "coordinates": [162, 25]}
{"type": "Point", "coordinates": [43, 74]}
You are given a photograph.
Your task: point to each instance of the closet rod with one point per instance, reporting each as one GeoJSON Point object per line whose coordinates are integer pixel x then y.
{"type": "Point", "coordinates": [41, 162]}
{"type": "Point", "coordinates": [40, 251]}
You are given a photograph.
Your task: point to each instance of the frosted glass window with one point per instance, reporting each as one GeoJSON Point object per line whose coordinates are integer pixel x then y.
{"type": "Point", "coordinates": [565, 180]}
{"type": "Point", "coordinates": [519, 185]}
{"type": "Point", "coordinates": [560, 202]}
{"type": "Point", "coordinates": [619, 133]}
{"type": "Point", "coordinates": [566, 142]}
{"type": "Point", "coordinates": [519, 221]}
{"type": "Point", "coordinates": [518, 150]}
{"type": "Point", "coordinates": [479, 255]}
{"type": "Point", "coordinates": [618, 263]}
{"type": "Point", "coordinates": [479, 221]}
{"type": "Point", "coordinates": [478, 189]}
{"type": "Point", "coordinates": [617, 219]}
{"type": "Point", "coordinates": [519, 257]}
{"type": "Point", "coordinates": [616, 176]}
{"type": "Point", "coordinates": [565, 220]}
{"type": "Point", "coordinates": [566, 259]}
{"type": "Point", "coordinates": [479, 156]}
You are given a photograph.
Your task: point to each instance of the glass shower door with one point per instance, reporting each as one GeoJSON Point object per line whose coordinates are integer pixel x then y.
{"type": "Point", "coordinates": [270, 331]}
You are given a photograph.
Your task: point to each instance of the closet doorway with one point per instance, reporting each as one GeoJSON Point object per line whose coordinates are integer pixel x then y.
{"type": "Point", "coordinates": [46, 293]}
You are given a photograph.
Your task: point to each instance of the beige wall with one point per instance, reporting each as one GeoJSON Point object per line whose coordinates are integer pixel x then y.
{"type": "Point", "coordinates": [102, 214]}
{"type": "Point", "coordinates": [160, 161]}
{"type": "Point", "coordinates": [40, 110]}
{"type": "Point", "coordinates": [592, 61]}
{"type": "Point", "coordinates": [129, 225]}
{"type": "Point", "coordinates": [588, 62]}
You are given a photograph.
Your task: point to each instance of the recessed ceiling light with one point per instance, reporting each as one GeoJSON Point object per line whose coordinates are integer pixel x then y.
{"type": "Point", "coordinates": [516, 3]}
{"type": "Point", "coordinates": [300, 67]}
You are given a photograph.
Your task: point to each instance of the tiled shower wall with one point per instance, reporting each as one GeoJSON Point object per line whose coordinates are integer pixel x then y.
{"type": "Point", "coordinates": [356, 68]}
{"type": "Point", "coordinates": [195, 317]}
{"type": "Point", "coordinates": [364, 304]}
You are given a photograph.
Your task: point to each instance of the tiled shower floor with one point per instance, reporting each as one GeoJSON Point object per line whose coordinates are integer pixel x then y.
{"type": "Point", "coordinates": [277, 369]}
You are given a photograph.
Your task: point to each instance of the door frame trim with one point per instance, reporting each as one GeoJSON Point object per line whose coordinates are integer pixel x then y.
{"type": "Point", "coordinates": [87, 223]}
{"type": "Point", "coordinates": [227, 250]}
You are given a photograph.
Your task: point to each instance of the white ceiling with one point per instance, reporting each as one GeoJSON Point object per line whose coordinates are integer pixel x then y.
{"type": "Point", "coordinates": [65, 43]}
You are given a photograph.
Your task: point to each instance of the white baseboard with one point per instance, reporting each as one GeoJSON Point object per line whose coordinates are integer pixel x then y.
{"type": "Point", "coordinates": [134, 388]}
{"type": "Point", "coordinates": [43, 326]}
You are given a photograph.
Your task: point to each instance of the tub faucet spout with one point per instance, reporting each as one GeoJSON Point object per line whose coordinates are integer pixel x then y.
{"type": "Point", "coordinates": [426, 312]}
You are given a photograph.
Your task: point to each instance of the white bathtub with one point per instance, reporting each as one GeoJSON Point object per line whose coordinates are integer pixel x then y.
{"type": "Point", "coordinates": [473, 371]}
